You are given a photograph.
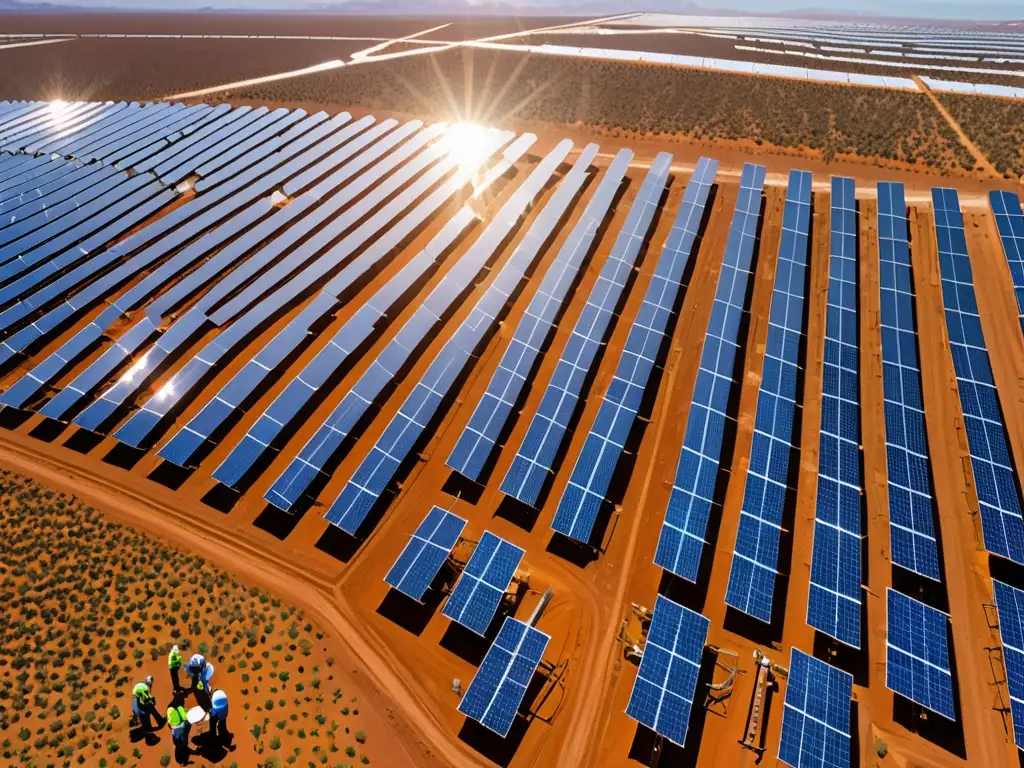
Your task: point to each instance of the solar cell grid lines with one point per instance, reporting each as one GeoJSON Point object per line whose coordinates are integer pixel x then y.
{"type": "Point", "coordinates": [996, 486]}
{"type": "Point", "coordinates": [816, 714]}
{"type": "Point", "coordinates": [476, 443]}
{"type": "Point", "coordinates": [917, 653]}
{"type": "Point", "coordinates": [483, 583]}
{"type": "Point", "coordinates": [377, 470]}
{"type": "Point", "coordinates": [834, 599]}
{"type": "Point", "coordinates": [592, 473]}
{"type": "Point", "coordinates": [496, 691]}
{"type": "Point", "coordinates": [681, 541]}
{"type": "Point", "coordinates": [912, 529]}
{"type": "Point", "coordinates": [1010, 606]}
{"type": "Point", "coordinates": [1010, 224]}
{"type": "Point", "coordinates": [666, 681]}
{"type": "Point", "coordinates": [425, 553]}
{"type": "Point", "coordinates": [532, 466]}
{"type": "Point", "coordinates": [755, 556]}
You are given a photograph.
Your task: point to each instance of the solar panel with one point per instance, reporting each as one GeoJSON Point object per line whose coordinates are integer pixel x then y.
{"type": "Point", "coordinates": [755, 555]}
{"type": "Point", "coordinates": [917, 653]}
{"type": "Point", "coordinates": [592, 473]}
{"type": "Point", "coordinates": [476, 443]}
{"type": "Point", "coordinates": [1010, 223]}
{"type": "Point", "coordinates": [496, 692]}
{"type": "Point", "coordinates": [833, 605]}
{"type": "Point", "coordinates": [376, 471]}
{"type": "Point", "coordinates": [483, 582]}
{"type": "Point", "coordinates": [998, 497]}
{"type": "Point", "coordinates": [816, 714]}
{"type": "Point", "coordinates": [681, 542]}
{"type": "Point", "coordinates": [666, 682]}
{"type": "Point", "coordinates": [425, 553]}
{"type": "Point", "coordinates": [1010, 606]}
{"type": "Point", "coordinates": [911, 525]}
{"type": "Point", "coordinates": [532, 465]}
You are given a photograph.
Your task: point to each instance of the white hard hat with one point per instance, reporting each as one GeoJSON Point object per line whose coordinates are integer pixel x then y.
{"type": "Point", "coordinates": [149, 679]}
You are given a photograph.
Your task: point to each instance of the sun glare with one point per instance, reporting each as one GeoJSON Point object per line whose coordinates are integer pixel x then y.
{"type": "Point", "coordinates": [139, 365]}
{"type": "Point", "coordinates": [59, 110]}
{"type": "Point", "coordinates": [468, 144]}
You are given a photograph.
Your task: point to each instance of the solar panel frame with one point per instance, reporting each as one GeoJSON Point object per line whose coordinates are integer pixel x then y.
{"type": "Point", "coordinates": [425, 553]}
{"type": "Point", "coordinates": [681, 541]}
{"type": "Point", "coordinates": [592, 472]}
{"type": "Point", "coordinates": [755, 555]}
{"type": "Point", "coordinates": [994, 474]}
{"type": "Point", "coordinates": [531, 467]}
{"type": "Point", "coordinates": [497, 689]}
{"type": "Point", "coordinates": [913, 544]}
{"type": "Point", "coordinates": [917, 654]}
{"type": "Point", "coordinates": [1010, 607]}
{"type": "Point", "coordinates": [483, 582]}
{"type": "Point", "coordinates": [667, 678]}
{"type": "Point", "coordinates": [834, 601]}
{"type": "Point", "coordinates": [816, 723]}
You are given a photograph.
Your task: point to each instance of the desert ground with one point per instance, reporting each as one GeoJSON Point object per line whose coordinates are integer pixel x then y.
{"type": "Point", "coordinates": [396, 658]}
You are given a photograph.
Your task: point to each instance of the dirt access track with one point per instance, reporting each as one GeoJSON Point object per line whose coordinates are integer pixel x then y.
{"type": "Point", "coordinates": [407, 655]}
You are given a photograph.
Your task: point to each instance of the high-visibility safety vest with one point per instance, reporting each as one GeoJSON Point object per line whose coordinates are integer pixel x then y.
{"type": "Point", "coordinates": [176, 716]}
{"type": "Point", "coordinates": [141, 692]}
{"type": "Point", "coordinates": [174, 660]}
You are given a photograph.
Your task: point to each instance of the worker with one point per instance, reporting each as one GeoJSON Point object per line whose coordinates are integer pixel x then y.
{"type": "Point", "coordinates": [219, 716]}
{"type": "Point", "coordinates": [177, 719]}
{"type": "Point", "coordinates": [144, 703]}
{"type": "Point", "coordinates": [197, 670]}
{"type": "Point", "coordinates": [174, 663]}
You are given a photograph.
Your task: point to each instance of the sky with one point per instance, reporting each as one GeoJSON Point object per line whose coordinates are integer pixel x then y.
{"type": "Point", "coordinates": [985, 10]}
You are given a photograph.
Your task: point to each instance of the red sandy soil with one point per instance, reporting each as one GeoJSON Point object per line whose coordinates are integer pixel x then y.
{"type": "Point", "coordinates": [405, 659]}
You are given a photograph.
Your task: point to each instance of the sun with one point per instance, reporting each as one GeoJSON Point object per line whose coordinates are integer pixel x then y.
{"type": "Point", "coordinates": [469, 144]}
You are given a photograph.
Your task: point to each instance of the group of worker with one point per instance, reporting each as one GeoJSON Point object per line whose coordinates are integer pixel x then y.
{"type": "Point", "coordinates": [199, 672]}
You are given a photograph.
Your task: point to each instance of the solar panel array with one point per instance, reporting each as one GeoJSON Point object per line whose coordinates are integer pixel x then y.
{"type": "Point", "coordinates": [681, 542]}
{"type": "Point", "coordinates": [755, 556]}
{"type": "Point", "coordinates": [483, 583]}
{"type": "Point", "coordinates": [917, 653]}
{"type": "Point", "coordinates": [911, 524]}
{"type": "Point", "coordinates": [666, 683]}
{"type": "Point", "coordinates": [816, 714]}
{"type": "Point", "coordinates": [998, 497]}
{"type": "Point", "coordinates": [834, 600]}
{"type": "Point", "coordinates": [1010, 606]}
{"type": "Point", "coordinates": [423, 556]}
{"type": "Point", "coordinates": [496, 692]}
{"type": "Point", "coordinates": [531, 467]}
{"type": "Point", "coordinates": [476, 443]}
{"type": "Point", "coordinates": [592, 473]}
{"type": "Point", "coordinates": [1010, 224]}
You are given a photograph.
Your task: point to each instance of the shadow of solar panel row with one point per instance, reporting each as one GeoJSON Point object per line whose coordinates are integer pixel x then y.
{"type": "Point", "coordinates": [532, 464]}
{"type": "Point", "coordinates": [592, 473]}
{"type": "Point", "coordinates": [834, 597]}
{"type": "Point", "coordinates": [816, 714]}
{"type": "Point", "coordinates": [998, 499]}
{"type": "Point", "coordinates": [1010, 223]}
{"type": "Point", "coordinates": [425, 553]}
{"type": "Point", "coordinates": [144, 420]}
{"type": "Point", "coordinates": [199, 428]}
{"type": "Point", "coordinates": [319, 449]}
{"type": "Point", "coordinates": [163, 235]}
{"type": "Point", "coordinates": [911, 525]}
{"type": "Point", "coordinates": [681, 541]}
{"type": "Point", "coordinates": [917, 653]}
{"type": "Point", "coordinates": [665, 685]}
{"type": "Point", "coordinates": [299, 154]}
{"type": "Point", "coordinates": [476, 442]}
{"type": "Point", "coordinates": [1010, 607]}
{"type": "Point", "coordinates": [376, 471]}
{"type": "Point", "coordinates": [483, 583]}
{"type": "Point", "coordinates": [755, 556]}
{"type": "Point", "coordinates": [496, 692]}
